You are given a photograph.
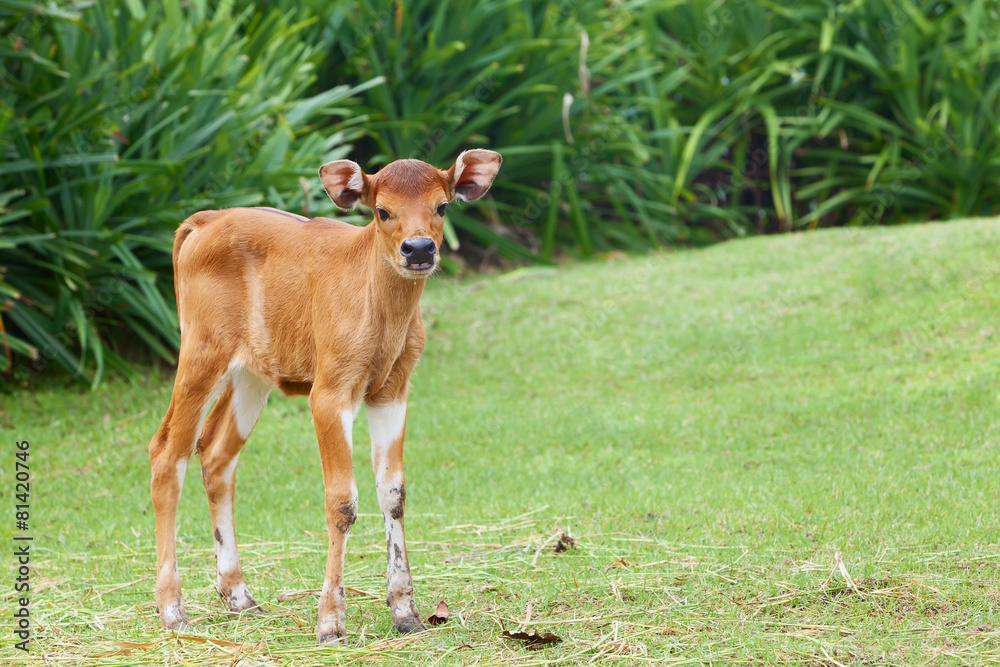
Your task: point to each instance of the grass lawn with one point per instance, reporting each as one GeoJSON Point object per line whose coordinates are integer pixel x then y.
{"type": "Point", "coordinates": [713, 427]}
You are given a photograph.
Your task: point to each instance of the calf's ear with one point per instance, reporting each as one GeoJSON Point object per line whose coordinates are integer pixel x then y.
{"type": "Point", "coordinates": [473, 172]}
{"type": "Point", "coordinates": [344, 181]}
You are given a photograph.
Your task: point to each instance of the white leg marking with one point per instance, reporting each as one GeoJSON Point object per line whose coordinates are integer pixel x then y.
{"type": "Point", "coordinates": [347, 418]}
{"type": "Point", "coordinates": [386, 423]}
{"type": "Point", "coordinates": [227, 558]}
{"type": "Point", "coordinates": [249, 397]}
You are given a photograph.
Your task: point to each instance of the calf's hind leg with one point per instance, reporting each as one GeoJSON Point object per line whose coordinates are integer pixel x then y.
{"type": "Point", "coordinates": [226, 431]}
{"type": "Point", "coordinates": [169, 451]}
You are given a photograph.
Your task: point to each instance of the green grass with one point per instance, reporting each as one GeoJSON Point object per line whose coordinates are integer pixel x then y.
{"type": "Point", "coordinates": [712, 426]}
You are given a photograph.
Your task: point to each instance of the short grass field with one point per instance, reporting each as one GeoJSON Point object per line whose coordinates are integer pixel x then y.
{"type": "Point", "coordinates": [778, 450]}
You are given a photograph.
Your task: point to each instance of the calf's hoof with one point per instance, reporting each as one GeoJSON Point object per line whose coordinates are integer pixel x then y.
{"type": "Point", "coordinates": [332, 630]}
{"type": "Point", "coordinates": [333, 638]}
{"type": "Point", "coordinates": [173, 617]}
{"type": "Point", "coordinates": [242, 602]}
{"type": "Point", "coordinates": [408, 624]}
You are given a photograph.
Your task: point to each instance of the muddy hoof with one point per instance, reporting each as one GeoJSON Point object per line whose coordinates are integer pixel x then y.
{"type": "Point", "coordinates": [408, 624]}
{"type": "Point", "coordinates": [333, 638]}
{"type": "Point", "coordinates": [178, 625]}
{"type": "Point", "coordinates": [239, 601]}
{"type": "Point", "coordinates": [244, 605]}
{"type": "Point", "coordinates": [175, 618]}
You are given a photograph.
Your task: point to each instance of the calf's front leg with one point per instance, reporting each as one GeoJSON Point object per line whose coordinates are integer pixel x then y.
{"type": "Point", "coordinates": [387, 423]}
{"type": "Point", "coordinates": [334, 417]}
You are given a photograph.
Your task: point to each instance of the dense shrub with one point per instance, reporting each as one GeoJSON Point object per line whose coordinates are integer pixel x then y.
{"type": "Point", "coordinates": [691, 121]}
{"type": "Point", "coordinates": [116, 123]}
{"type": "Point", "coordinates": [823, 113]}
{"type": "Point", "coordinates": [548, 84]}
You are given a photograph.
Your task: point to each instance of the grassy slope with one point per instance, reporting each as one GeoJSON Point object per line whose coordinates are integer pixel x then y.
{"type": "Point", "coordinates": [712, 426]}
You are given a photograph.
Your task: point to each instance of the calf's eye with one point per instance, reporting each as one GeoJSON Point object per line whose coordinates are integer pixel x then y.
{"type": "Point", "coordinates": [441, 209]}
{"type": "Point", "coordinates": [382, 213]}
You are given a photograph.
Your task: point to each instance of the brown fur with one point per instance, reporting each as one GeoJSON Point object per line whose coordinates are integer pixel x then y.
{"type": "Point", "coordinates": [269, 299]}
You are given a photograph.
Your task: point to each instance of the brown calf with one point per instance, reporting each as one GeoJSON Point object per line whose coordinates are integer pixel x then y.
{"type": "Point", "coordinates": [269, 299]}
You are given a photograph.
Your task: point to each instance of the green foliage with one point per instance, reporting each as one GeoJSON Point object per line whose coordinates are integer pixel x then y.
{"type": "Point", "coordinates": [116, 123]}
{"type": "Point", "coordinates": [823, 113]}
{"type": "Point", "coordinates": [503, 76]}
{"type": "Point", "coordinates": [688, 122]}
{"type": "Point", "coordinates": [492, 77]}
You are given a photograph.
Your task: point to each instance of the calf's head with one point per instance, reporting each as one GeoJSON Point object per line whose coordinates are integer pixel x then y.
{"type": "Point", "coordinates": [409, 199]}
